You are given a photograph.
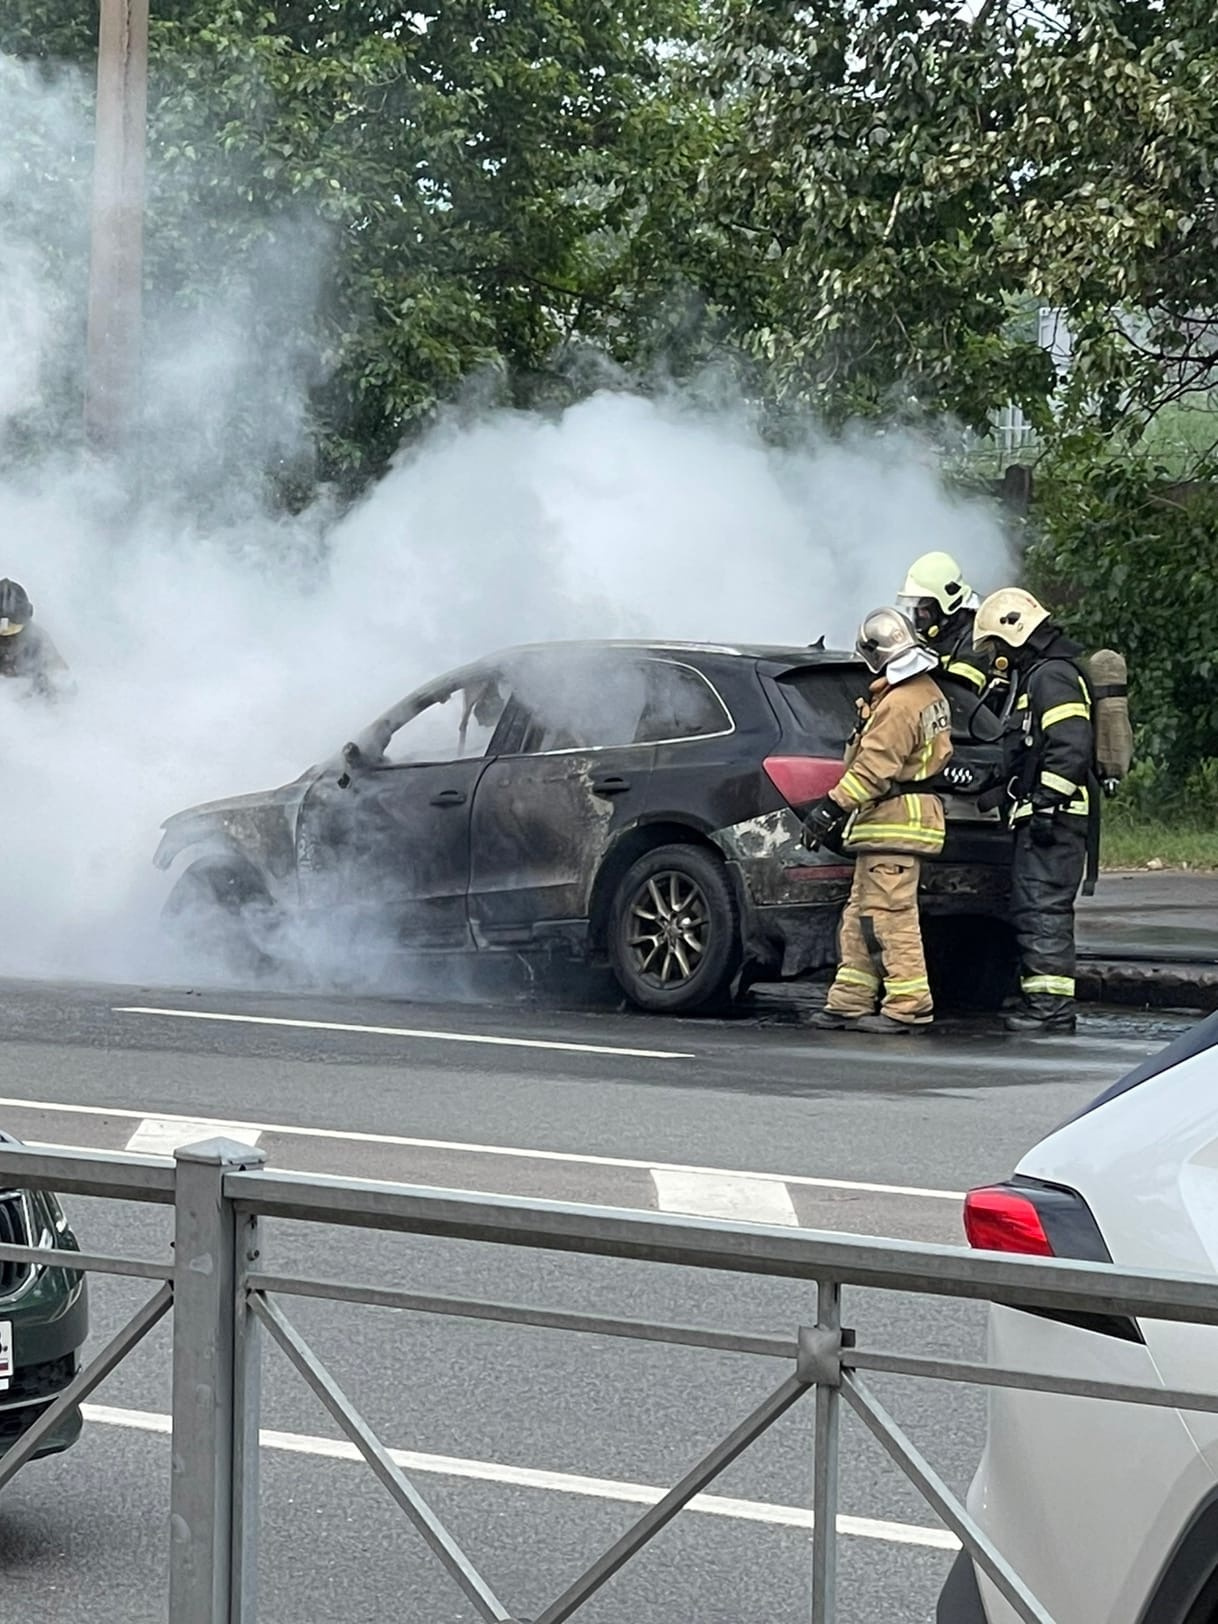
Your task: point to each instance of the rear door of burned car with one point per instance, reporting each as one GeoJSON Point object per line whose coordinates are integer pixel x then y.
{"type": "Point", "coordinates": [576, 772]}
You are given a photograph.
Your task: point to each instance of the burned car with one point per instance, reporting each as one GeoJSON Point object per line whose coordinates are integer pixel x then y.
{"type": "Point", "coordinates": [628, 803]}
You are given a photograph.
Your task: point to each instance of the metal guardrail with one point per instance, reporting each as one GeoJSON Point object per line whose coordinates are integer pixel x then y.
{"type": "Point", "coordinates": [224, 1303]}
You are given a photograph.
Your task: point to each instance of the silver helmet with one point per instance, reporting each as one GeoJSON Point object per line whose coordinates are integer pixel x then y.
{"type": "Point", "coordinates": [883, 637]}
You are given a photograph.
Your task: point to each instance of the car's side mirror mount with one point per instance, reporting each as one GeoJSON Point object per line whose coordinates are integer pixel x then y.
{"type": "Point", "coordinates": [353, 760]}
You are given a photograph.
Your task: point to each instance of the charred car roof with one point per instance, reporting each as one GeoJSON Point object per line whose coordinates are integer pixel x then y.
{"type": "Point", "coordinates": [776, 658]}
{"type": "Point", "coordinates": [778, 654]}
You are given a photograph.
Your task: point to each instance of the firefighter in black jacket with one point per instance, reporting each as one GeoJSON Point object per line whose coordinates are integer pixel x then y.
{"type": "Point", "coordinates": [942, 606]}
{"type": "Point", "coordinates": [1050, 770]}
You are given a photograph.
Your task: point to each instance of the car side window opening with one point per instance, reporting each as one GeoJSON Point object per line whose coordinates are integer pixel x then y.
{"type": "Point", "coordinates": [454, 727]}
{"type": "Point", "coordinates": [681, 704]}
{"type": "Point", "coordinates": [582, 705]}
{"type": "Point", "coordinates": [602, 704]}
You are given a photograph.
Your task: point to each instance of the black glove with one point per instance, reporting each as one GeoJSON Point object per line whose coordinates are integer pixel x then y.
{"type": "Point", "coordinates": [1042, 826]}
{"type": "Point", "coordinates": [823, 819]}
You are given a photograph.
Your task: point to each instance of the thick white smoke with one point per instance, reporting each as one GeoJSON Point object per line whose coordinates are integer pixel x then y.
{"type": "Point", "coordinates": [213, 660]}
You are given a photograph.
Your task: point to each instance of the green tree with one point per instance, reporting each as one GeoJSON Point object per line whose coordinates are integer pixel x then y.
{"type": "Point", "coordinates": [1128, 555]}
{"type": "Point", "coordinates": [909, 170]}
{"type": "Point", "coordinates": [494, 187]}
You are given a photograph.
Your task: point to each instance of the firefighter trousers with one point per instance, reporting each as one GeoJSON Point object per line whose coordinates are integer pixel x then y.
{"type": "Point", "coordinates": [880, 943]}
{"type": "Point", "coordinates": [1044, 883]}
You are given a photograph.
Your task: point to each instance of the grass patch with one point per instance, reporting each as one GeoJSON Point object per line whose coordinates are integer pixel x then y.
{"type": "Point", "coordinates": [1130, 844]}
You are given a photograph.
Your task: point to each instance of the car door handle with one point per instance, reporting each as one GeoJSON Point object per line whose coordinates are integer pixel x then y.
{"type": "Point", "coordinates": [613, 785]}
{"type": "Point", "coordinates": [449, 797]}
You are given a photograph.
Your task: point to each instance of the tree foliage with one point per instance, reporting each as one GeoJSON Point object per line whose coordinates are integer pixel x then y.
{"type": "Point", "coordinates": [484, 186]}
{"type": "Point", "coordinates": [1130, 554]}
{"type": "Point", "coordinates": [908, 170]}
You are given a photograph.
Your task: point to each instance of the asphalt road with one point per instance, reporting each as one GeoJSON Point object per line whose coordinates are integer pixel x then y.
{"type": "Point", "coordinates": [540, 1448]}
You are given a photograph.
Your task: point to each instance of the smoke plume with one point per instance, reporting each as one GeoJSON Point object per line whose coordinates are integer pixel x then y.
{"type": "Point", "coordinates": [223, 653]}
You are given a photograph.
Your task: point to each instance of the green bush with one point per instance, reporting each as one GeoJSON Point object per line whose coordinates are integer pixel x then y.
{"type": "Point", "coordinates": [1150, 797]}
{"type": "Point", "coordinates": [1129, 559]}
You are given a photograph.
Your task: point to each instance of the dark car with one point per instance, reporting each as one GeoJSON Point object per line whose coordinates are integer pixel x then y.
{"type": "Point", "coordinates": [44, 1319]}
{"type": "Point", "coordinates": [628, 802]}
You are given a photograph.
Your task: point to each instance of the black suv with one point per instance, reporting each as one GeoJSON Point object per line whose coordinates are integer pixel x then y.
{"type": "Point", "coordinates": [44, 1318]}
{"type": "Point", "coordinates": [628, 802]}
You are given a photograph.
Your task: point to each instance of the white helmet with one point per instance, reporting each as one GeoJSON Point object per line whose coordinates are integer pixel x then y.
{"type": "Point", "coordinates": [1011, 615]}
{"type": "Point", "coordinates": [937, 578]}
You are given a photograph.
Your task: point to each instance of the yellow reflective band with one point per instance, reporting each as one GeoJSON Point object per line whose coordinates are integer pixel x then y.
{"type": "Point", "coordinates": [968, 673]}
{"type": "Point", "coordinates": [1057, 782]}
{"type": "Point", "coordinates": [1055, 986]}
{"type": "Point", "coordinates": [913, 810]}
{"type": "Point", "coordinates": [897, 989]}
{"type": "Point", "coordinates": [853, 787]}
{"type": "Point", "coordinates": [856, 978]}
{"type": "Point", "coordinates": [1077, 808]}
{"type": "Point", "coordinates": [1063, 713]}
{"type": "Point", "coordinates": [895, 834]}
{"type": "Point", "coordinates": [1022, 702]}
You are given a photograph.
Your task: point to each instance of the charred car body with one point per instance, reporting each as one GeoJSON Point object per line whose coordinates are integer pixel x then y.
{"type": "Point", "coordinates": [628, 802]}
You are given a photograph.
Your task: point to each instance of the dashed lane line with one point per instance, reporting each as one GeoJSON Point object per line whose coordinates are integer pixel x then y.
{"type": "Point", "coordinates": [403, 1141]}
{"type": "Point", "coordinates": [431, 1034]}
{"type": "Point", "coordinates": [526, 1477]}
{"type": "Point", "coordinates": [161, 1136]}
{"type": "Point", "coordinates": [724, 1195]}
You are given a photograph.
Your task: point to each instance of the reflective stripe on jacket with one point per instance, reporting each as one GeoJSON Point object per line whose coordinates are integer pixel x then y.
{"type": "Point", "coordinates": [1057, 729]}
{"type": "Point", "coordinates": [905, 736]}
{"type": "Point", "coordinates": [959, 661]}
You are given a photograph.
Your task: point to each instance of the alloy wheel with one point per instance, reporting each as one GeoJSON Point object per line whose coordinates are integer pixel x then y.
{"type": "Point", "coordinates": [668, 928]}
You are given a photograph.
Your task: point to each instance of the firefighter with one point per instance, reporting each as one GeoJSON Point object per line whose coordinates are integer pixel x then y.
{"type": "Point", "coordinates": [1051, 796]}
{"type": "Point", "coordinates": [904, 736]}
{"type": "Point", "coordinates": [26, 652]}
{"type": "Point", "coordinates": [941, 605]}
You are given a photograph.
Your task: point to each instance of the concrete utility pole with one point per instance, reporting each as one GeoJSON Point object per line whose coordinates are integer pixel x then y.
{"type": "Point", "coordinates": [117, 254]}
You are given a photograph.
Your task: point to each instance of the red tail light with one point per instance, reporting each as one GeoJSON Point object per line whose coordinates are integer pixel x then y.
{"type": "Point", "coordinates": [800, 779]}
{"type": "Point", "coordinates": [1002, 1220]}
{"type": "Point", "coordinates": [1044, 1220]}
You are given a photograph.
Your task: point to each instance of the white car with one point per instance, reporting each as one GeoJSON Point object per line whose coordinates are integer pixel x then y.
{"type": "Point", "coordinates": [1108, 1512]}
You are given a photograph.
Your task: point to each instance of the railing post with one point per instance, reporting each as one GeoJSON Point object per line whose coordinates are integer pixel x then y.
{"type": "Point", "coordinates": [214, 1455]}
{"type": "Point", "coordinates": [827, 1370]}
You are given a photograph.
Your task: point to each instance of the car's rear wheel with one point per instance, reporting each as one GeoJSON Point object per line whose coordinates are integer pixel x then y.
{"type": "Point", "coordinates": [674, 931]}
{"type": "Point", "coordinates": [220, 914]}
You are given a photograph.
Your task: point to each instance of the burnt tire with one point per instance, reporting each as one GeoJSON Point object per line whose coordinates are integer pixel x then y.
{"type": "Point", "coordinates": [674, 931]}
{"type": "Point", "coordinates": [970, 960]}
{"type": "Point", "coordinates": [219, 913]}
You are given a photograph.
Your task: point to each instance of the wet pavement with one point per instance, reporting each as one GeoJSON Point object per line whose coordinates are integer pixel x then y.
{"type": "Point", "coordinates": [1167, 916]}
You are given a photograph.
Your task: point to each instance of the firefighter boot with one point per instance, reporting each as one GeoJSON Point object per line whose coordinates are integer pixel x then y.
{"type": "Point", "coordinates": [828, 1020]}
{"type": "Point", "coordinates": [885, 1024]}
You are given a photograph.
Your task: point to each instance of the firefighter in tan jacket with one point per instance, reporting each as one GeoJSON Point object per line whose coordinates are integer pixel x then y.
{"type": "Point", "coordinates": [904, 736]}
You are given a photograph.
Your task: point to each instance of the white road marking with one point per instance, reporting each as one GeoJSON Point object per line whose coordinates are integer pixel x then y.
{"type": "Point", "coordinates": [408, 1032]}
{"type": "Point", "coordinates": [716, 1195]}
{"type": "Point", "coordinates": [402, 1141]}
{"type": "Point", "coordinates": [525, 1477]}
{"type": "Point", "coordinates": [161, 1136]}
